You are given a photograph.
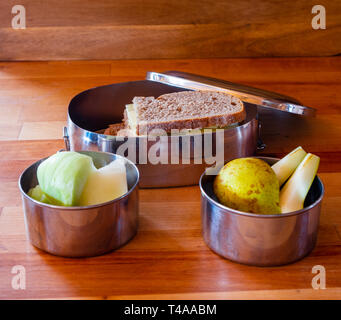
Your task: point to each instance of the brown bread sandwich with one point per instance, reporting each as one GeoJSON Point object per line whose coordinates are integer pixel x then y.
{"type": "Point", "coordinates": [179, 110]}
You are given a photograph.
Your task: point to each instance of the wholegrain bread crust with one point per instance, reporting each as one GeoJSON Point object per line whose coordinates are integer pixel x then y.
{"type": "Point", "coordinates": [118, 129]}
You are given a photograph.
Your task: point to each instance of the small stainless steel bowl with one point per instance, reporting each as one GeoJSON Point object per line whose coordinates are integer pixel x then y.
{"type": "Point", "coordinates": [81, 231]}
{"type": "Point", "coordinates": [256, 239]}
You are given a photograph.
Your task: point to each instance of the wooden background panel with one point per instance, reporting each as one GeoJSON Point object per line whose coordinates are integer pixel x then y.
{"type": "Point", "coordinates": [133, 29]}
{"type": "Point", "coordinates": [61, 13]}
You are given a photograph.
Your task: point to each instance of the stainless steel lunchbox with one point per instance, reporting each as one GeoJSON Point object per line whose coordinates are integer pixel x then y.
{"type": "Point", "coordinates": [93, 110]}
{"type": "Point", "coordinates": [81, 231]}
{"type": "Point", "coordinates": [256, 239]}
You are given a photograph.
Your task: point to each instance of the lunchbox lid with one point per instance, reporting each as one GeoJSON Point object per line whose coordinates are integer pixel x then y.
{"type": "Point", "coordinates": [248, 94]}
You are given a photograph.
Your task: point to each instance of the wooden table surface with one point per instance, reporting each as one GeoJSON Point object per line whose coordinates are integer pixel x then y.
{"type": "Point", "coordinates": [167, 258]}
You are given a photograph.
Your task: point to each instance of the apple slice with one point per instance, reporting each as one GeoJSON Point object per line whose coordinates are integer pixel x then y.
{"type": "Point", "coordinates": [287, 165]}
{"type": "Point", "coordinates": [295, 190]}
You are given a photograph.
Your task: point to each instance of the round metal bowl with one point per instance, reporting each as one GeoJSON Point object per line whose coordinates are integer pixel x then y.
{"type": "Point", "coordinates": [81, 231]}
{"type": "Point", "coordinates": [257, 239]}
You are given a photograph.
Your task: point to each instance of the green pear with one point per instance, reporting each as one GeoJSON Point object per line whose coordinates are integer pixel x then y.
{"type": "Point", "coordinates": [249, 185]}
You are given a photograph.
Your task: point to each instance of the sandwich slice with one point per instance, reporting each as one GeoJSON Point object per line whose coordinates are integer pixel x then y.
{"type": "Point", "coordinates": [185, 110]}
{"type": "Point", "coordinates": [116, 129]}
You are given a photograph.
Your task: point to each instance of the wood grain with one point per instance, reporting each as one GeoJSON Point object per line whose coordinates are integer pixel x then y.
{"type": "Point", "coordinates": [168, 258]}
{"type": "Point", "coordinates": [49, 130]}
{"type": "Point", "coordinates": [297, 294]}
{"type": "Point", "coordinates": [153, 29]}
{"type": "Point", "coordinates": [62, 13]}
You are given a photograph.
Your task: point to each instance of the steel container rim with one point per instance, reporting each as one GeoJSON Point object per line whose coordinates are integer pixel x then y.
{"type": "Point", "coordinates": [69, 208]}
{"type": "Point", "coordinates": [228, 210]}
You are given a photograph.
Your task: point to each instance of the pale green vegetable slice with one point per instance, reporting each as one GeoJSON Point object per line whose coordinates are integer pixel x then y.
{"type": "Point", "coordinates": [295, 190]}
{"type": "Point", "coordinates": [38, 194]}
{"type": "Point", "coordinates": [64, 175]}
{"type": "Point", "coordinates": [287, 165]}
{"type": "Point", "coordinates": [105, 184]}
